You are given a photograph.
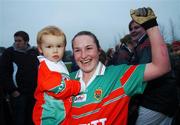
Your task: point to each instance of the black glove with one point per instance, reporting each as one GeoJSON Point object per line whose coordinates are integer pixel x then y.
{"type": "Point", "coordinates": [144, 16]}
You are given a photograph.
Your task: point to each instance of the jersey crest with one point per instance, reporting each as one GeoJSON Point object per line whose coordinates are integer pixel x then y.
{"type": "Point", "coordinates": [98, 94]}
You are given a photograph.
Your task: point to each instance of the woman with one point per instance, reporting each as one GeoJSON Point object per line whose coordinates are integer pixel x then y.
{"type": "Point", "coordinates": [108, 89]}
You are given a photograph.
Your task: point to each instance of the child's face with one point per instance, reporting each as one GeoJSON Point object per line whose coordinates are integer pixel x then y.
{"type": "Point", "coordinates": [52, 47]}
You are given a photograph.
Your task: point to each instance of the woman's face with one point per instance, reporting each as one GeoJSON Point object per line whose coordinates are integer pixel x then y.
{"type": "Point", "coordinates": [86, 53]}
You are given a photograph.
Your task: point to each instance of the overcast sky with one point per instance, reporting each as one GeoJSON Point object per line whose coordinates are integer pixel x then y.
{"type": "Point", "coordinates": [107, 19]}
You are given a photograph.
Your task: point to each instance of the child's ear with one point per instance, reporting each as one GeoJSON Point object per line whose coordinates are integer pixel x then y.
{"type": "Point", "coordinates": [40, 50]}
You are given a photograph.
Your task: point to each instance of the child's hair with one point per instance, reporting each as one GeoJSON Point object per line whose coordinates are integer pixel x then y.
{"type": "Point", "coordinates": [50, 30]}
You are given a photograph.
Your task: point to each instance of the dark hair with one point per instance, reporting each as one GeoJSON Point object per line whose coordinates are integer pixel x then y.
{"type": "Point", "coordinates": [130, 23]}
{"type": "Point", "coordinates": [88, 33]}
{"type": "Point", "coordinates": [22, 34]}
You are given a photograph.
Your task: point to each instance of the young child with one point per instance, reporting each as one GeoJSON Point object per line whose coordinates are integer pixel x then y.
{"type": "Point", "coordinates": [54, 89]}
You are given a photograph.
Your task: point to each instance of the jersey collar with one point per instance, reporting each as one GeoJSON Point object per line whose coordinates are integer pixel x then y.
{"type": "Point", "coordinates": [99, 71]}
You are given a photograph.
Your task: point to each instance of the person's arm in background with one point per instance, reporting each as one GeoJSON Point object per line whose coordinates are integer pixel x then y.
{"type": "Point", "coordinates": [160, 60]}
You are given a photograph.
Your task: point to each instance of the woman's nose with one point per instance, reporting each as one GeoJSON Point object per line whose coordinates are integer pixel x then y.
{"type": "Point", "coordinates": [83, 54]}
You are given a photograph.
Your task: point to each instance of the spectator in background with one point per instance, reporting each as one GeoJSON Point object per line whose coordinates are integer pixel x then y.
{"type": "Point", "coordinates": [176, 66]}
{"type": "Point", "coordinates": [176, 47]}
{"type": "Point", "coordinates": [158, 103]}
{"type": "Point", "coordinates": [18, 73]}
{"type": "Point", "coordinates": [123, 52]}
{"type": "Point", "coordinates": [74, 66]}
{"type": "Point", "coordinates": [109, 56]}
{"type": "Point", "coordinates": [3, 104]}
{"type": "Point", "coordinates": [1, 51]}
{"type": "Point", "coordinates": [176, 59]}
{"type": "Point", "coordinates": [102, 57]}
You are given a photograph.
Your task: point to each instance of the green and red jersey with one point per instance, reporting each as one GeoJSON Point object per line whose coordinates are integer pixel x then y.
{"type": "Point", "coordinates": [106, 98]}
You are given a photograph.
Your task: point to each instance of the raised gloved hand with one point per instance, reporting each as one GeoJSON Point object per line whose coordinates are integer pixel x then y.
{"type": "Point", "coordinates": [144, 16]}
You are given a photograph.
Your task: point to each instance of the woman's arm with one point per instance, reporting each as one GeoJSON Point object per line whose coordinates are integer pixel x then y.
{"type": "Point", "coordinates": [160, 60]}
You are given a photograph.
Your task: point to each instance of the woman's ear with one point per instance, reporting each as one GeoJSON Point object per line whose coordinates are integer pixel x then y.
{"type": "Point", "coordinates": [100, 50]}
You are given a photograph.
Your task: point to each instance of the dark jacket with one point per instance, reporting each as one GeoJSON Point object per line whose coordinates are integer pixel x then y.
{"type": "Point", "coordinates": [160, 94]}
{"type": "Point", "coordinates": [19, 67]}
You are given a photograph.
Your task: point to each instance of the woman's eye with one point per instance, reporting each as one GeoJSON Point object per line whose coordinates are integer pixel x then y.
{"type": "Point", "coordinates": [89, 48]}
{"type": "Point", "coordinates": [48, 46]}
{"type": "Point", "coordinates": [76, 50]}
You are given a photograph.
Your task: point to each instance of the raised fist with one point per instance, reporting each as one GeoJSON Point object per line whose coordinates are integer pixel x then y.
{"type": "Point", "coordinates": [144, 16]}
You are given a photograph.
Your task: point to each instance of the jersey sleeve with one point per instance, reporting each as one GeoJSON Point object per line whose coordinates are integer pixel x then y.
{"type": "Point", "coordinates": [133, 80]}
{"type": "Point", "coordinates": [52, 83]}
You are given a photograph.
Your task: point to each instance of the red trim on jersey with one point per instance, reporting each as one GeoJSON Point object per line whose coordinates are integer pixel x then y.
{"type": "Point", "coordinates": [127, 74]}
